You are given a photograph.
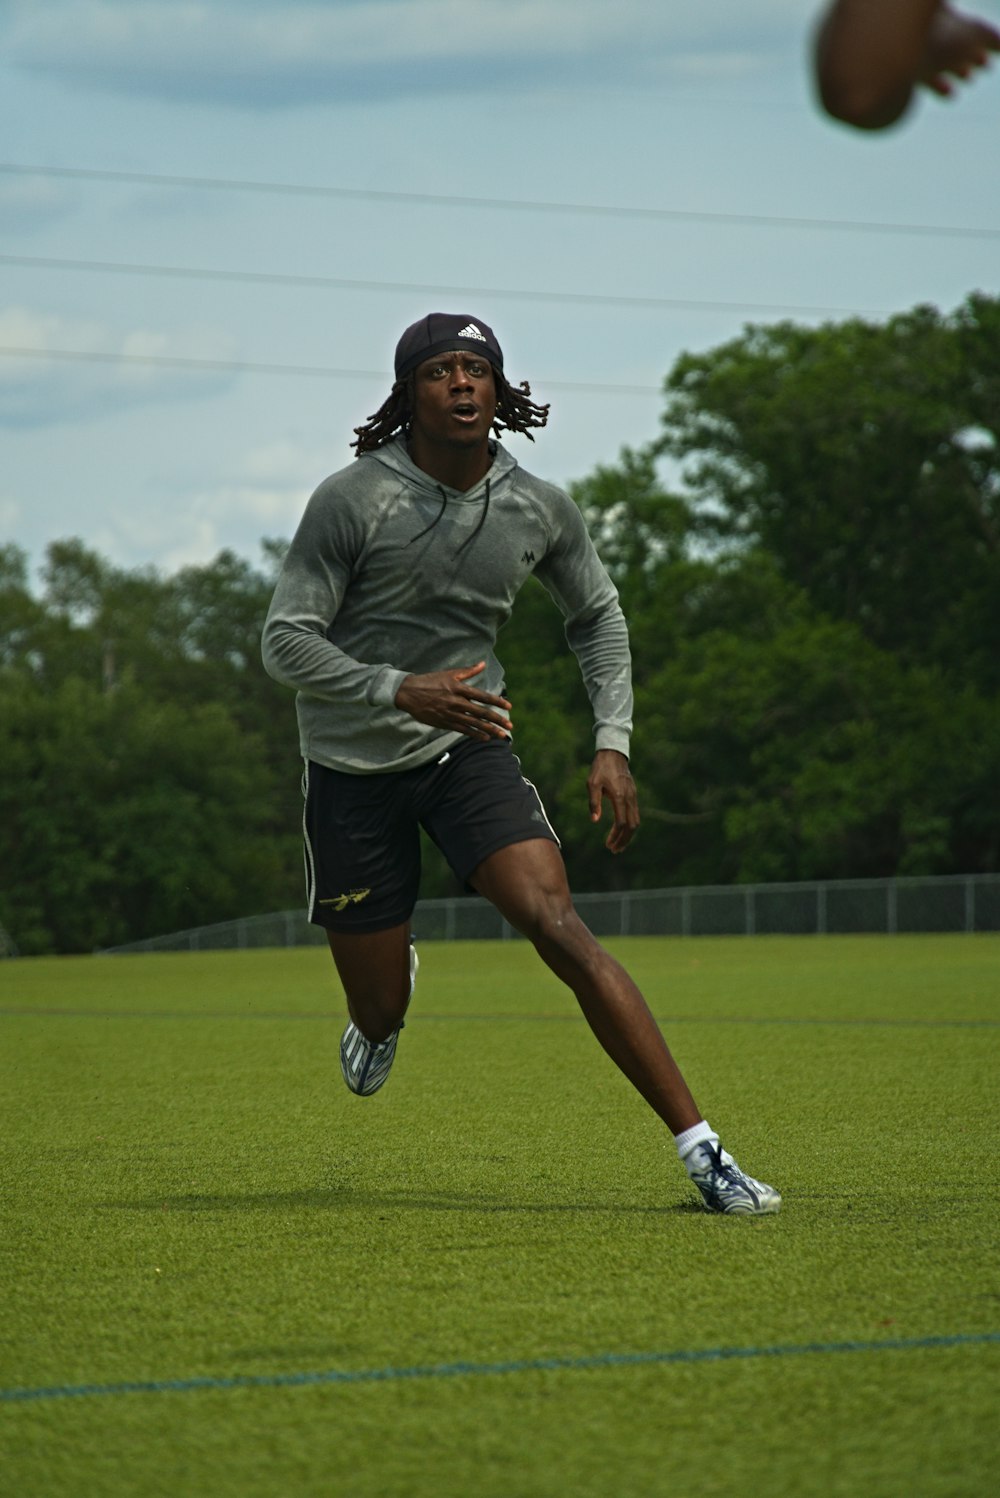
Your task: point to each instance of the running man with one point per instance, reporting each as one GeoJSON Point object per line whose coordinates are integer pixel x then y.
{"type": "Point", "coordinates": [402, 571]}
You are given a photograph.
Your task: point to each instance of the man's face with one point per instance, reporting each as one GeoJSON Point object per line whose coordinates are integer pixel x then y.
{"type": "Point", "coordinates": [454, 400]}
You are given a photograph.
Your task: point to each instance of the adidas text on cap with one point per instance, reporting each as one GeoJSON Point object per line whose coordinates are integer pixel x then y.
{"type": "Point", "coordinates": [440, 332]}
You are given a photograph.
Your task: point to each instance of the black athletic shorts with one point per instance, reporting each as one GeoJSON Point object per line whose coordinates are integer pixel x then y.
{"type": "Point", "coordinates": [362, 832]}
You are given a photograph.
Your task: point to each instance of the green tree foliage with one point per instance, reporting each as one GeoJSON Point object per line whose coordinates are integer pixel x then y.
{"type": "Point", "coordinates": [813, 754]}
{"type": "Point", "coordinates": [816, 630]}
{"type": "Point", "coordinates": [815, 627]}
{"type": "Point", "coordinates": [124, 816]}
{"type": "Point", "coordinates": [866, 460]}
{"type": "Point", "coordinates": [143, 788]}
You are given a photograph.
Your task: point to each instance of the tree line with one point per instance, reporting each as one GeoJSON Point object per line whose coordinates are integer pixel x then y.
{"type": "Point", "coordinates": [815, 618]}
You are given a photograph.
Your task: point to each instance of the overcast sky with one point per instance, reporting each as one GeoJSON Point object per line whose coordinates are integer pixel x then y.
{"type": "Point", "coordinates": [218, 217]}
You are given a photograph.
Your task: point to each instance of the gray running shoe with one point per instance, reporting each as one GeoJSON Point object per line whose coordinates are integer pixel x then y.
{"type": "Point", "coordinates": [726, 1188]}
{"type": "Point", "coordinates": [365, 1065]}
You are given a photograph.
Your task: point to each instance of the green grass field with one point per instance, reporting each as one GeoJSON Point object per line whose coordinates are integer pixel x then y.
{"type": "Point", "coordinates": [224, 1275]}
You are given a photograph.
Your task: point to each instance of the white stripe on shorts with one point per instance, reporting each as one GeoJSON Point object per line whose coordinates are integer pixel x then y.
{"type": "Point", "coordinates": [541, 804]}
{"type": "Point", "coordinates": [307, 852]}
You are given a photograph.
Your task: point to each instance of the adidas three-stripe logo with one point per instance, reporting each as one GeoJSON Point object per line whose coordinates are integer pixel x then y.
{"type": "Point", "coordinates": [471, 331]}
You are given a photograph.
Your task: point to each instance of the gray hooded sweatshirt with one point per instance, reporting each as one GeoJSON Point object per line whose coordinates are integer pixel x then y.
{"type": "Point", "coordinates": [391, 574]}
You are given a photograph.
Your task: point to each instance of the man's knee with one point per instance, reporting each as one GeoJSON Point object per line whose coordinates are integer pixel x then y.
{"type": "Point", "coordinates": [555, 925]}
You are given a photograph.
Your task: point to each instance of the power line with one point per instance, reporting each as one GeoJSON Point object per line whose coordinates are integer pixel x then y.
{"type": "Point", "coordinates": [516, 205]}
{"type": "Point", "coordinates": [245, 366]}
{"type": "Point", "coordinates": [338, 283]}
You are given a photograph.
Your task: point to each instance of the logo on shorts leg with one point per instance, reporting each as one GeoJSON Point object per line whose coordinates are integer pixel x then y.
{"type": "Point", "coordinates": [341, 902]}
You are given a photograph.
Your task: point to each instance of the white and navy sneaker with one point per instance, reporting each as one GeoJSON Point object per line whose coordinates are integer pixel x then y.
{"type": "Point", "coordinates": [725, 1187]}
{"type": "Point", "coordinates": [365, 1065]}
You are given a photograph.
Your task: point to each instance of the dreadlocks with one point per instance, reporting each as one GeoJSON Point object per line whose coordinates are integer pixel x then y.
{"type": "Point", "coordinates": [516, 412]}
{"type": "Point", "coordinates": [392, 416]}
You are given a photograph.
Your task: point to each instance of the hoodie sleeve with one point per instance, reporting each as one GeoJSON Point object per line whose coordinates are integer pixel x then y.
{"type": "Point", "coordinates": [295, 647]}
{"type": "Point", "coordinates": [574, 575]}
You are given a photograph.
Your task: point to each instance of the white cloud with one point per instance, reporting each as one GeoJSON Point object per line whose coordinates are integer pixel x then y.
{"type": "Point", "coordinates": [28, 203]}
{"type": "Point", "coordinates": [175, 539]}
{"type": "Point", "coordinates": [10, 515]}
{"type": "Point", "coordinates": [55, 369]}
{"type": "Point", "coordinates": [265, 495]}
{"type": "Point", "coordinates": [270, 488]}
{"type": "Point", "coordinates": [284, 54]}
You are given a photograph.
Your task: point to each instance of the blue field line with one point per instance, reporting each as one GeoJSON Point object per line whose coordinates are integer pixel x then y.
{"type": "Point", "coordinates": [481, 1370]}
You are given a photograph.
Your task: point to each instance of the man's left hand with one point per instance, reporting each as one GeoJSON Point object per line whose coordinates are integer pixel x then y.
{"type": "Point", "coordinates": [610, 776]}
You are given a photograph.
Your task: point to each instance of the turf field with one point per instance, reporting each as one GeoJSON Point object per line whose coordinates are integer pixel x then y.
{"type": "Point", "coordinates": [223, 1275]}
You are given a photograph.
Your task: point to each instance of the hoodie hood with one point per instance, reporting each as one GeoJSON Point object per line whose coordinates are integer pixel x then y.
{"type": "Point", "coordinates": [395, 456]}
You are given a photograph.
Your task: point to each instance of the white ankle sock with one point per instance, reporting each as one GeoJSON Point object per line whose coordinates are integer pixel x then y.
{"type": "Point", "coordinates": [701, 1133]}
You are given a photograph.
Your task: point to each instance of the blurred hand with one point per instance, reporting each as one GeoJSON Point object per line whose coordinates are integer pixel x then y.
{"type": "Point", "coordinates": [956, 44]}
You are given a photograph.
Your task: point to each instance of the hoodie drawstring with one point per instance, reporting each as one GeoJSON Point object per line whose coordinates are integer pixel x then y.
{"type": "Point", "coordinates": [444, 502]}
{"type": "Point", "coordinates": [437, 517]}
{"type": "Point", "coordinates": [481, 521]}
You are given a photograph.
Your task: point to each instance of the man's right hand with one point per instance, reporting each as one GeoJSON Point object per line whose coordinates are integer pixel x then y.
{"type": "Point", "coordinates": [444, 700]}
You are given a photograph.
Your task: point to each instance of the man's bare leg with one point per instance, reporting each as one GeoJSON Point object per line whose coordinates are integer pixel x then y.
{"type": "Point", "coordinates": [377, 971]}
{"type": "Point", "coordinates": [374, 967]}
{"type": "Point", "coordinates": [527, 883]}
